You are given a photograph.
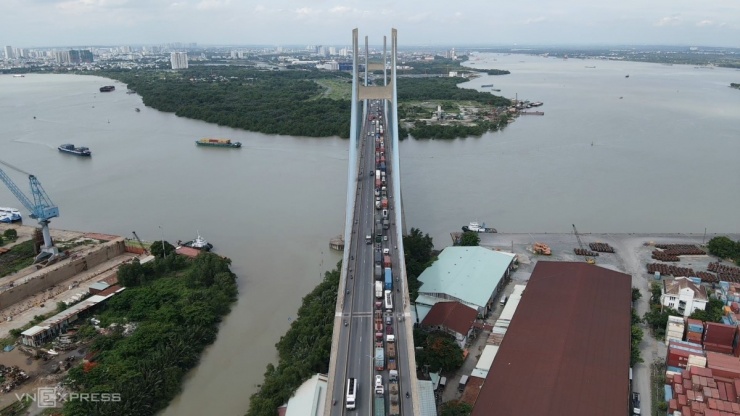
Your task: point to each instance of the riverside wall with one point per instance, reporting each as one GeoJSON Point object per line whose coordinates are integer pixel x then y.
{"type": "Point", "coordinates": [50, 276]}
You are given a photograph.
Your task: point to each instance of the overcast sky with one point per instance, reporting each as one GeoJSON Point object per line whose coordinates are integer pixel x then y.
{"type": "Point", "coordinates": [29, 23]}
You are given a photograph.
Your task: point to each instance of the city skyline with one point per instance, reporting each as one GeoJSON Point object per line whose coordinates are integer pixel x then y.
{"type": "Point", "coordinates": [49, 23]}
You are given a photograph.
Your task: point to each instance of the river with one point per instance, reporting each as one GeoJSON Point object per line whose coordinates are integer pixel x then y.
{"type": "Point", "coordinates": [663, 159]}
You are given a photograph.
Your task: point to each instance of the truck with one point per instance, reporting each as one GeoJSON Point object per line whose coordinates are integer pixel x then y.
{"type": "Point", "coordinates": [378, 272]}
{"type": "Point", "coordinates": [635, 403]}
{"type": "Point", "coordinates": [378, 181]}
{"type": "Point", "coordinates": [386, 261]}
{"type": "Point", "coordinates": [377, 254]}
{"type": "Point", "coordinates": [386, 224]}
{"type": "Point", "coordinates": [395, 400]}
{"type": "Point", "coordinates": [463, 383]}
{"type": "Point", "coordinates": [392, 371]}
{"type": "Point", "coordinates": [382, 166]}
{"type": "Point", "coordinates": [384, 203]}
{"type": "Point", "coordinates": [379, 406]}
{"type": "Point", "coordinates": [388, 279]}
{"type": "Point", "coordinates": [379, 289]}
{"type": "Point", "coordinates": [390, 343]}
{"type": "Point", "coordinates": [378, 203]}
{"type": "Point", "coordinates": [379, 359]}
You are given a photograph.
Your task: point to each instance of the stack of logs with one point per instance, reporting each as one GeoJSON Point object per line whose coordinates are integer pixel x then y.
{"type": "Point", "coordinates": [601, 247]}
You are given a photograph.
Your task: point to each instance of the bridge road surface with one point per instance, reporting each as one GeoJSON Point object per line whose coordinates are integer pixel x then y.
{"type": "Point", "coordinates": [354, 357]}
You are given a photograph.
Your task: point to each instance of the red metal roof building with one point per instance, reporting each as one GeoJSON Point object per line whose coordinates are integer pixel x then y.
{"type": "Point", "coordinates": [567, 348]}
{"type": "Point", "coordinates": [451, 317]}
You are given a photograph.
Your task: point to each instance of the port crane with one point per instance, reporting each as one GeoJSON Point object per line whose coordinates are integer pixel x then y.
{"type": "Point", "coordinates": [140, 243]}
{"type": "Point", "coordinates": [41, 208]}
{"type": "Point", "coordinates": [589, 259]}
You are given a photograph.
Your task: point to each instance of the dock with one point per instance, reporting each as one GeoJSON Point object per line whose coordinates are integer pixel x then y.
{"type": "Point", "coordinates": [337, 243]}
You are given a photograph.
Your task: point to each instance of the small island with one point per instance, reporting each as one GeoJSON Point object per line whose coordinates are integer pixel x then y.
{"type": "Point", "coordinates": [735, 85]}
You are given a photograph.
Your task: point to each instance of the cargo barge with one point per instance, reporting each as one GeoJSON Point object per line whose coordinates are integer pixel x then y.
{"type": "Point", "coordinates": [79, 151]}
{"type": "Point", "coordinates": [218, 143]}
{"type": "Point", "coordinates": [107, 88]}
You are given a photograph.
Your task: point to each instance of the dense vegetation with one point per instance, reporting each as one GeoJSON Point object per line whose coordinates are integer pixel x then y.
{"type": "Point", "coordinates": [469, 238]}
{"type": "Point", "coordinates": [636, 339]}
{"type": "Point", "coordinates": [497, 72]}
{"type": "Point", "coordinates": [422, 89]}
{"type": "Point", "coordinates": [19, 257]}
{"type": "Point", "coordinates": [303, 351]}
{"type": "Point", "coordinates": [270, 102]}
{"type": "Point", "coordinates": [437, 350]}
{"type": "Point", "coordinates": [725, 248]}
{"type": "Point", "coordinates": [417, 249]}
{"type": "Point", "coordinates": [657, 317]}
{"type": "Point", "coordinates": [176, 305]}
{"type": "Point", "coordinates": [734, 85]}
{"type": "Point", "coordinates": [439, 66]}
{"type": "Point", "coordinates": [421, 130]}
{"type": "Point", "coordinates": [456, 408]}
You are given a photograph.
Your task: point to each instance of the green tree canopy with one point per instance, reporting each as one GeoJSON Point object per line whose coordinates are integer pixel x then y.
{"type": "Point", "coordinates": [469, 238]}
{"type": "Point", "coordinates": [724, 248]}
{"type": "Point", "coordinates": [456, 408]}
{"type": "Point", "coordinates": [161, 249]}
{"type": "Point", "coordinates": [437, 350]}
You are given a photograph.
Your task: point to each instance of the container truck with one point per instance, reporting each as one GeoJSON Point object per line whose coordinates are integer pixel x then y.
{"type": "Point", "coordinates": [379, 406]}
{"type": "Point", "coordinates": [384, 203]}
{"type": "Point", "coordinates": [386, 224]}
{"type": "Point", "coordinates": [379, 289]}
{"type": "Point", "coordinates": [388, 279]}
{"type": "Point", "coordinates": [386, 261]}
{"type": "Point", "coordinates": [379, 359]}
{"type": "Point", "coordinates": [390, 343]}
{"type": "Point", "coordinates": [395, 405]}
{"type": "Point", "coordinates": [377, 253]}
{"type": "Point", "coordinates": [382, 166]}
{"type": "Point", "coordinates": [378, 272]}
{"type": "Point", "coordinates": [378, 181]}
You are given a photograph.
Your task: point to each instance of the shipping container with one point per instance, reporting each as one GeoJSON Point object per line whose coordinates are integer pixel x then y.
{"type": "Point", "coordinates": [386, 261]}
{"type": "Point", "coordinates": [720, 334]}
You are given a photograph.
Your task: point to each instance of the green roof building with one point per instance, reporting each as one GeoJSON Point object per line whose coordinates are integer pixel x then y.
{"type": "Point", "coordinates": [473, 276]}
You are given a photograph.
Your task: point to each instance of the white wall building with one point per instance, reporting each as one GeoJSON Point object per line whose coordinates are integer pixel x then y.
{"type": "Point", "coordinates": [684, 295]}
{"type": "Point", "coordinates": [179, 60]}
{"type": "Point", "coordinates": [8, 52]}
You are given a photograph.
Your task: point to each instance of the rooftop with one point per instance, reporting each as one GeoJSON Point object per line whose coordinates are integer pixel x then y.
{"type": "Point", "coordinates": [674, 287]}
{"type": "Point", "coordinates": [470, 274]}
{"type": "Point", "coordinates": [309, 399]}
{"type": "Point", "coordinates": [566, 350]}
{"type": "Point", "coordinates": [452, 315]}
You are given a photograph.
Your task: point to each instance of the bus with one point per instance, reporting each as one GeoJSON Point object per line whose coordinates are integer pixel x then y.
{"type": "Point", "coordinates": [351, 393]}
{"type": "Point", "coordinates": [388, 300]}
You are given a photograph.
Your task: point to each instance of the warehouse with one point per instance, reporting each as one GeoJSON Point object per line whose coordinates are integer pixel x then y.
{"type": "Point", "coordinates": [567, 348]}
{"type": "Point", "coordinates": [472, 276]}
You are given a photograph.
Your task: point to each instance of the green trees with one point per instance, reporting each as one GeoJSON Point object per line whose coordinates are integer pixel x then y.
{"type": "Point", "coordinates": [712, 313]}
{"type": "Point", "coordinates": [417, 249]}
{"type": "Point", "coordinates": [497, 72]}
{"type": "Point", "coordinates": [10, 234]}
{"type": "Point", "coordinates": [724, 248]}
{"type": "Point", "coordinates": [456, 408]}
{"type": "Point", "coordinates": [161, 249]}
{"type": "Point", "coordinates": [469, 238]}
{"type": "Point", "coordinates": [636, 339]}
{"type": "Point", "coordinates": [437, 350]}
{"type": "Point", "coordinates": [175, 320]}
{"type": "Point", "coordinates": [303, 351]}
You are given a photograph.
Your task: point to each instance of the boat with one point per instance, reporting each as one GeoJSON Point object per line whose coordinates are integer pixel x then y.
{"type": "Point", "coordinates": [478, 228]}
{"type": "Point", "coordinates": [590, 67]}
{"type": "Point", "coordinates": [199, 243]}
{"type": "Point", "coordinates": [218, 143]}
{"type": "Point", "coordinates": [107, 88]}
{"type": "Point", "coordinates": [626, 76]}
{"type": "Point", "coordinates": [487, 86]}
{"type": "Point", "coordinates": [497, 90]}
{"type": "Point", "coordinates": [537, 103]}
{"type": "Point", "coordinates": [19, 76]}
{"type": "Point", "coordinates": [9, 215]}
{"type": "Point", "coordinates": [79, 151]}
{"type": "Point", "coordinates": [137, 109]}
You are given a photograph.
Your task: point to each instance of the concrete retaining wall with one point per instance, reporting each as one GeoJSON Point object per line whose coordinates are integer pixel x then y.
{"type": "Point", "coordinates": [55, 274]}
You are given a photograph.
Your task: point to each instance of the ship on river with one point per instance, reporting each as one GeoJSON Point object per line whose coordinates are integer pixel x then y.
{"type": "Point", "coordinates": [218, 143]}
{"type": "Point", "coordinates": [79, 151]}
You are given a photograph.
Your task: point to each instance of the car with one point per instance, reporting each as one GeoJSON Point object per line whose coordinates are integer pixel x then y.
{"type": "Point", "coordinates": [372, 173]}
{"type": "Point", "coordinates": [386, 251]}
{"type": "Point", "coordinates": [389, 329]}
{"type": "Point", "coordinates": [388, 320]}
{"type": "Point", "coordinates": [635, 403]}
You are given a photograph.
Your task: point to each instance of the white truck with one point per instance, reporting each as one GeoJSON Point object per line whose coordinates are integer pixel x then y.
{"type": "Point", "coordinates": [378, 289]}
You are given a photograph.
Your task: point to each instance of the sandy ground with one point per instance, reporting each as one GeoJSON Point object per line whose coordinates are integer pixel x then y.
{"type": "Point", "coordinates": [633, 252]}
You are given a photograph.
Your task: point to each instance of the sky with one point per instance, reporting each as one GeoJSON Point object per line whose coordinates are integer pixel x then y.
{"type": "Point", "coordinates": [38, 23]}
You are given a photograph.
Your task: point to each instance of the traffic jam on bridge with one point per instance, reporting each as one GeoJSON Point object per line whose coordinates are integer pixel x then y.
{"type": "Point", "coordinates": [385, 342]}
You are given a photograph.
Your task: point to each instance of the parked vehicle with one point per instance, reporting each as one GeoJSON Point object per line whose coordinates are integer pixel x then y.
{"type": "Point", "coordinates": [635, 403]}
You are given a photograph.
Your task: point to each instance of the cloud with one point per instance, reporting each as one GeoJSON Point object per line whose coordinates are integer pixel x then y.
{"type": "Point", "coordinates": [538, 19]}
{"type": "Point", "coordinates": [705, 23]}
{"type": "Point", "coordinates": [669, 21]}
{"type": "Point", "coordinates": [340, 10]}
{"type": "Point", "coordinates": [212, 4]}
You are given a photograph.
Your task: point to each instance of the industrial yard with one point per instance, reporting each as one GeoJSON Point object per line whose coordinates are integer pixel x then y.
{"type": "Point", "coordinates": [632, 253]}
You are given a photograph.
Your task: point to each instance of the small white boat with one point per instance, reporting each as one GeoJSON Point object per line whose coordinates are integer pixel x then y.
{"type": "Point", "coordinates": [478, 228]}
{"type": "Point", "coordinates": [199, 243]}
{"type": "Point", "coordinates": [10, 215]}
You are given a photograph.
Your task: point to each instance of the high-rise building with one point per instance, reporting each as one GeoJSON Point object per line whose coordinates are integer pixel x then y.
{"type": "Point", "coordinates": [8, 52]}
{"type": "Point", "coordinates": [179, 60]}
{"type": "Point", "coordinates": [332, 50]}
{"type": "Point", "coordinates": [80, 56]}
{"type": "Point", "coordinates": [63, 57]}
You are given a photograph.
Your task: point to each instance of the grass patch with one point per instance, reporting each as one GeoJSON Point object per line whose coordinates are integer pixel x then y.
{"type": "Point", "coordinates": [19, 257]}
{"type": "Point", "coordinates": [335, 89]}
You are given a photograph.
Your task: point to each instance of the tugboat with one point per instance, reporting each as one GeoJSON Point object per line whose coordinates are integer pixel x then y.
{"type": "Point", "coordinates": [79, 151]}
{"type": "Point", "coordinates": [478, 228]}
{"type": "Point", "coordinates": [199, 243]}
{"type": "Point", "coordinates": [107, 88]}
{"type": "Point", "coordinates": [9, 215]}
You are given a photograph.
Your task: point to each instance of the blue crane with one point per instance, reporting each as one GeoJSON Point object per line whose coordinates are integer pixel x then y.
{"type": "Point", "coordinates": [41, 208]}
